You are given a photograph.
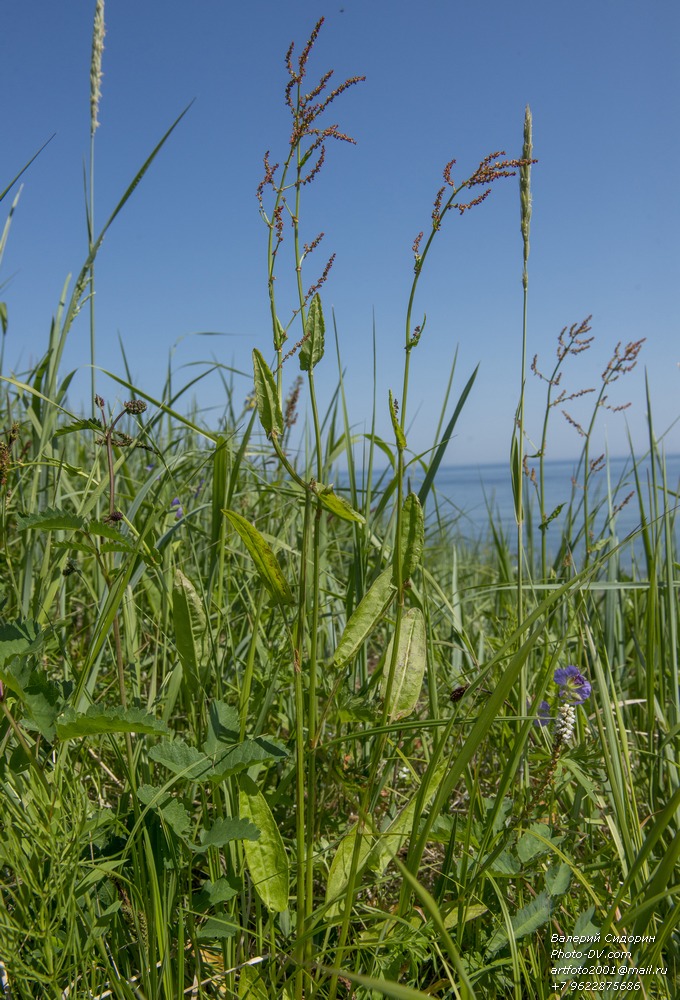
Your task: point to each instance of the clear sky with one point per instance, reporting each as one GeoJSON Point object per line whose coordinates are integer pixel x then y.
{"type": "Point", "coordinates": [444, 79]}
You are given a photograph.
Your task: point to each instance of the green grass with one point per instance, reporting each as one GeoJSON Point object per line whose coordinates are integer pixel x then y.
{"type": "Point", "coordinates": [261, 738]}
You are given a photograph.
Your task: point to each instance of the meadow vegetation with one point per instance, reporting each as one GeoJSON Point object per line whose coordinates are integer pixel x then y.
{"type": "Point", "coordinates": [261, 736]}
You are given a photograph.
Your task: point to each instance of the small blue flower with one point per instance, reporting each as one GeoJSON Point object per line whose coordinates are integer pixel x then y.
{"type": "Point", "coordinates": [178, 504]}
{"type": "Point", "coordinates": [543, 718]}
{"type": "Point", "coordinates": [575, 689]}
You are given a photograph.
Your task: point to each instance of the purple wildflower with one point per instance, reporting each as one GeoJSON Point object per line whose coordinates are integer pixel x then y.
{"type": "Point", "coordinates": [543, 718]}
{"type": "Point", "coordinates": [178, 504]}
{"type": "Point", "coordinates": [574, 687]}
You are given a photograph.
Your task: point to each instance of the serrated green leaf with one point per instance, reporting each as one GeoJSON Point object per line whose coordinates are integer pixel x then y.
{"type": "Point", "coordinates": [181, 759]}
{"type": "Point", "coordinates": [109, 531]}
{"type": "Point", "coordinates": [526, 921]}
{"type": "Point", "coordinates": [80, 425]}
{"type": "Point", "coordinates": [505, 864]}
{"type": "Point", "coordinates": [225, 829]}
{"type": "Point", "coordinates": [223, 727]}
{"type": "Point", "coordinates": [190, 763]}
{"type": "Point", "coordinates": [528, 846]}
{"type": "Point", "coordinates": [97, 720]}
{"type": "Point", "coordinates": [266, 397]}
{"type": "Point", "coordinates": [168, 807]}
{"type": "Point", "coordinates": [266, 562]}
{"type": "Point", "coordinates": [410, 666]}
{"type": "Point", "coordinates": [365, 617]}
{"type": "Point", "coordinates": [557, 879]}
{"type": "Point", "coordinates": [41, 698]}
{"type": "Point", "coordinates": [50, 519]}
{"type": "Point", "coordinates": [217, 927]}
{"type": "Point", "coordinates": [312, 348]}
{"type": "Point", "coordinates": [337, 505]}
{"type": "Point", "coordinates": [412, 537]}
{"type": "Point", "coordinates": [18, 638]}
{"type": "Point", "coordinates": [191, 629]}
{"type": "Point", "coordinates": [266, 856]}
{"type": "Point", "coordinates": [213, 893]}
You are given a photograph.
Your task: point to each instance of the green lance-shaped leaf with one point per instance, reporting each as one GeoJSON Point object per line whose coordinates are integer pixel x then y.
{"type": "Point", "coordinates": [250, 985]}
{"type": "Point", "coordinates": [412, 537]}
{"type": "Point", "coordinates": [516, 476]}
{"type": "Point", "coordinates": [529, 847]}
{"type": "Point", "coordinates": [366, 616]}
{"type": "Point", "coordinates": [266, 397]}
{"type": "Point", "coordinates": [50, 519]}
{"type": "Point", "coordinates": [266, 856]}
{"type": "Point", "coordinates": [398, 433]}
{"type": "Point", "coordinates": [311, 351]}
{"type": "Point", "coordinates": [340, 869]}
{"type": "Point", "coordinates": [191, 627]}
{"type": "Point", "coordinates": [377, 850]}
{"type": "Point", "coordinates": [263, 557]}
{"type": "Point", "coordinates": [97, 720]}
{"type": "Point", "coordinates": [337, 505]}
{"type": "Point", "coordinates": [526, 921]}
{"type": "Point", "coordinates": [410, 666]}
{"type": "Point", "coordinates": [557, 879]}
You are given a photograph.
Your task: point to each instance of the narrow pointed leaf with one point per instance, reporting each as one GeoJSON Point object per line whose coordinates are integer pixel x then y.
{"type": "Point", "coordinates": [266, 856]}
{"type": "Point", "coordinates": [311, 351]}
{"type": "Point", "coordinates": [526, 921]}
{"type": "Point", "coordinates": [410, 666]}
{"type": "Point", "coordinates": [366, 616]}
{"type": "Point", "coordinates": [339, 873]}
{"type": "Point", "coordinates": [264, 559]}
{"type": "Point", "coordinates": [97, 720]}
{"type": "Point", "coordinates": [337, 505]}
{"type": "Point", "coordinates": [267, 397]}
{"type": "Point", "coordinates": [191, 627]}
{"type": "Point", "coordinates": [412, 537]}
{"type": "Point", "coordinates": [444, 443]}
{"type": "Point", "coordinates": [516, 476]}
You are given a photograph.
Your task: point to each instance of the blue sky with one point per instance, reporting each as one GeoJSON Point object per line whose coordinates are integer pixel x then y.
{"type": "Point", "coordinates": [444, 79]}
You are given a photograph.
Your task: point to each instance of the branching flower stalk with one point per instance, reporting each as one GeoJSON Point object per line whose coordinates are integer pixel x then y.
{"type": "Point", "coordinates": [490, 169]}
{"type": "Point", "coordinates": [570, 342]}
{"type": "Point", "coordinates": [306, 156]}
{"type": "Point", "coordinates": [622, 361]}
{"type": "Point", "coordinates": [517, 449]}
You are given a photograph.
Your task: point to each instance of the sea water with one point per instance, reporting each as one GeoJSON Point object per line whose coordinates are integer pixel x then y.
{"type": "Point", "coordinates": [469, 498]}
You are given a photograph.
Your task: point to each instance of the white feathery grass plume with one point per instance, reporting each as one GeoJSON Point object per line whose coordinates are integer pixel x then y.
{"type": "Point", "coordinates": [98, 33]}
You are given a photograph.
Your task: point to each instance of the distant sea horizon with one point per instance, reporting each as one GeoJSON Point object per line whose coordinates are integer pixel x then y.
{"type": "Point", "coordinates": [469, 495]}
